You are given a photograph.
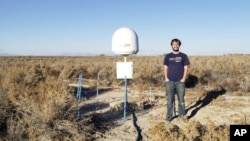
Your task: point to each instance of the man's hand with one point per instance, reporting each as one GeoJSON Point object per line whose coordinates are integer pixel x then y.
{"type": "Point", "coordinates": [182, 80]}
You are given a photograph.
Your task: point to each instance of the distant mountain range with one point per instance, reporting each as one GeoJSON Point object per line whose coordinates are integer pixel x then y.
{"type": "Point", "coordinates": [6, 54]}
{"type": "Point", "coordinates": [86, 54]}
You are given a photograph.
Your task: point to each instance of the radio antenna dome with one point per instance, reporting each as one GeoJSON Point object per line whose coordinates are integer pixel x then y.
{"type": "Point", "coordinates": [125, 41]}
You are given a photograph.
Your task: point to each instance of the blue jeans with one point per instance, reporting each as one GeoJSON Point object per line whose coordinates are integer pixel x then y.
{"type": "Point", "coordinates": [173, 88]}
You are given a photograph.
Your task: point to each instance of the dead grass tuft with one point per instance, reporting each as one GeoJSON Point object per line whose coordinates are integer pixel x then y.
{"type": "Point", "coordinates": [191, 130]}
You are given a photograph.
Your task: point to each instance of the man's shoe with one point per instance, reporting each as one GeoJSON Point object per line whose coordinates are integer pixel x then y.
{"type": "Point", "coordinates": [169, 119]}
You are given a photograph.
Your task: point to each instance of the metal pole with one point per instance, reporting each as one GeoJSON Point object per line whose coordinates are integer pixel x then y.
{"type": "Point", "coordinates": [150, 94]}
{"type": "Point", "coordinates": [125, 94]}
{"type": "Point", "coordinates": [79, 91]}
{"type": "Point", "coordinates": [125, 99]}
{"type": "Point", "coordinates": [97, 92]}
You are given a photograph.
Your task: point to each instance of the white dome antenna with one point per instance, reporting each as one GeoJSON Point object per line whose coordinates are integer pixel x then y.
{"type": "Point", "coordinates": [125, 41]}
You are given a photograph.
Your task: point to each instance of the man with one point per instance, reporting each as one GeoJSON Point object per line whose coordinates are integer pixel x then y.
{"type": "Point", "coordinates": [175, 71]}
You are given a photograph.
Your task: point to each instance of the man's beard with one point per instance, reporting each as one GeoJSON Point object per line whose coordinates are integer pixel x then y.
{"type": "Point", "coordinates": [176, 50]}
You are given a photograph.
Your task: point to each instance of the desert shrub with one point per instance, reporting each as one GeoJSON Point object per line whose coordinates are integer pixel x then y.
{"type": "Point", "coordinates": [231, 84]}
{"type": "Point", "coordinates": [54, 71]}
{"type": "Point", "coordinates": [34, 76]}
{"type": "Point", "coordinates": [19, 77]}
{"type": "Point", "coordinates": [5, 110]}
{"type": "Point", "coordinates": [191, 130]}
{"type": "Point", "coordinates": [163, 132]}
{"type": "Point", "coordinates": [244, 84]}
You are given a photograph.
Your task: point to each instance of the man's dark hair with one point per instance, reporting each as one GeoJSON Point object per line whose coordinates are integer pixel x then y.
{"type": "Point", "coordinates": [176, 40]}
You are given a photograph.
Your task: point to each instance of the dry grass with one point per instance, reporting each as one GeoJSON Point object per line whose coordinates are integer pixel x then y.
{"type": "Point", "coordinates": [190, 131]}
{"type": "Point", "coordinates": [36, 102]}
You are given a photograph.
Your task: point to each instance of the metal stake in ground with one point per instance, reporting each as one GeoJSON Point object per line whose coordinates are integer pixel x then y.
{"type": "Point", "coordinates": [97, 83]}
{"type": "Point", "coordinates": [78, 95]}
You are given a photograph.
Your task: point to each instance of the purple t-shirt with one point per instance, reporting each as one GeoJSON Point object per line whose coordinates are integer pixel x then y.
{"type": "Point", "coordinates": [176, 63]}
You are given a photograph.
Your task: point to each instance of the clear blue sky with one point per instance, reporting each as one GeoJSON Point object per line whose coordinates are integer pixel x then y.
{"type": "Point", "coordinates": [57, 27]}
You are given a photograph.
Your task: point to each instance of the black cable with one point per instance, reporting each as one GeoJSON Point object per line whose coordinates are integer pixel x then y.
{"type": "Point", "coordinates": [136, 127]}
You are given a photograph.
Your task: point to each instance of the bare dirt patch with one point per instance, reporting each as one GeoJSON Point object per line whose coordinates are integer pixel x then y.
{"type": "Point", "coordinates": [208, 116]}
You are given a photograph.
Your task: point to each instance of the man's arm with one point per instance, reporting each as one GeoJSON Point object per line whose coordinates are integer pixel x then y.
{"type": "Point", "coordinates": [184, 74]}
{"type": "Point", "coordinates": [166, 73]}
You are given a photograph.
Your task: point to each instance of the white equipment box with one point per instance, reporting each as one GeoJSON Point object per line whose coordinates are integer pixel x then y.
{"type": "Point", "coordinates": [124, 69]}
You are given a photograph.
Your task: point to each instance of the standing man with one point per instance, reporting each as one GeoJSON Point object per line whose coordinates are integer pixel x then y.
{"type": "Point", "coordinates": [175, 71]}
